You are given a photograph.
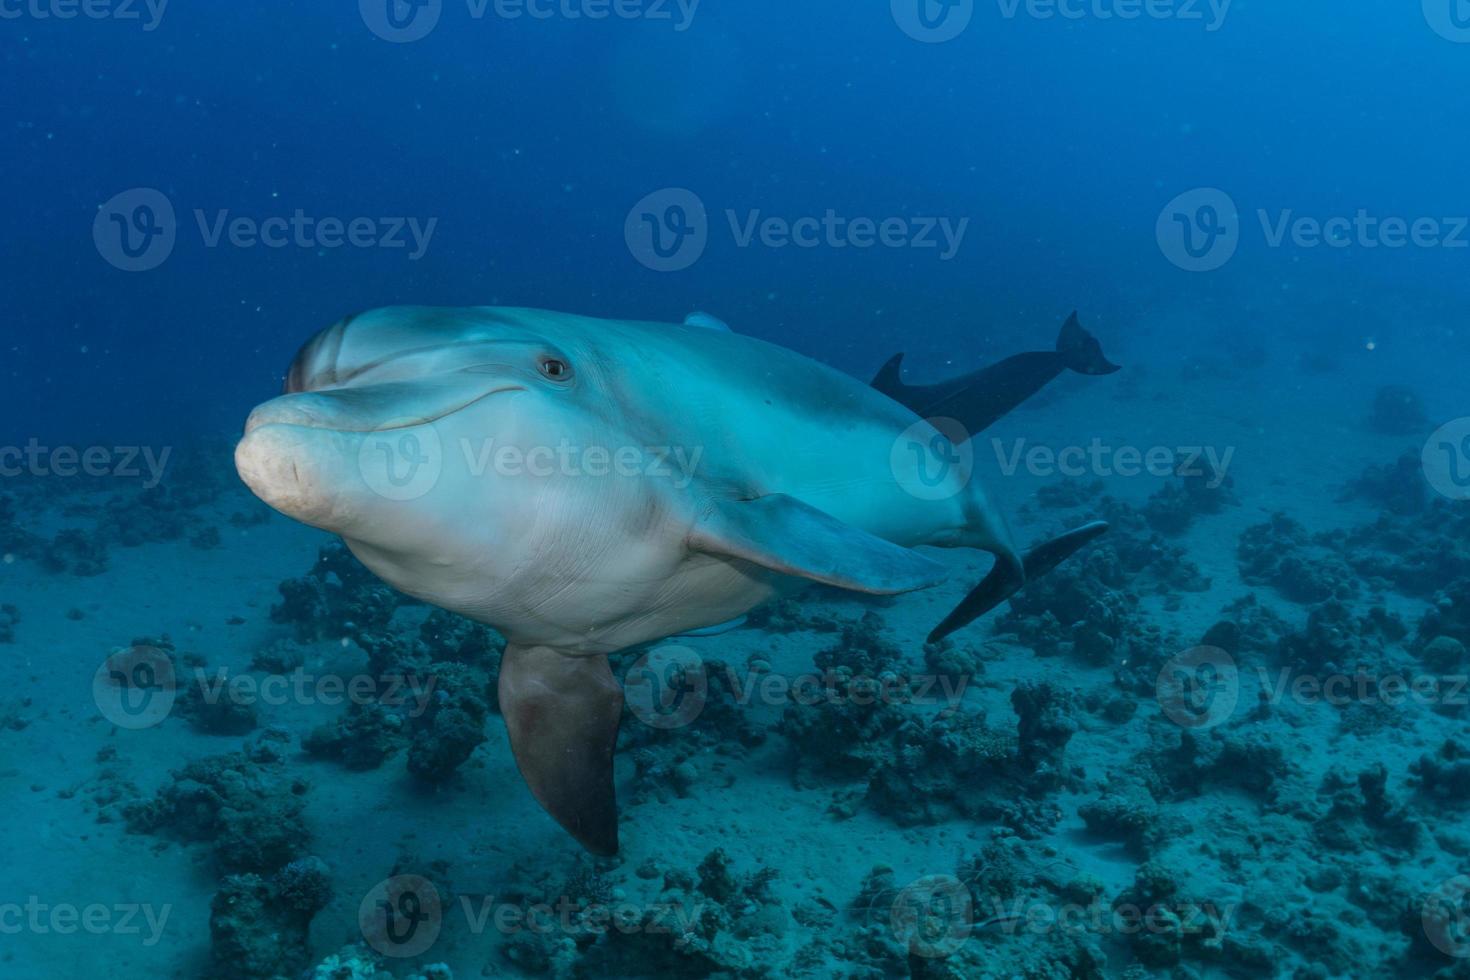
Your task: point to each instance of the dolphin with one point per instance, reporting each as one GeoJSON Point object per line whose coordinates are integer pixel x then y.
{"type": "Point", "coordinates": [981, 397]}
{"type": "Point", "coordinates": [585, 486]}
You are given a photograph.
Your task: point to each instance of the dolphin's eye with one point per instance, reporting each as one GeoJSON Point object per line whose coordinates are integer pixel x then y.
{"type": "Point", "coordinates": [555, 368]}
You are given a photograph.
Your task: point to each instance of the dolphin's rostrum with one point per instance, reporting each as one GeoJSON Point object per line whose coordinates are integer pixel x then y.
{"type": "Point", "coordinates": [585, 486]}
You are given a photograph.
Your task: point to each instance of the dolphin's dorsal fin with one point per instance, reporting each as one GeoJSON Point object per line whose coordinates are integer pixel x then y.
{"type": "Point", "coordinates": [707, 321]}
{"type": "Point", "coordinates": [889, 379]}
{"type": "Point", "coordinates": [783, 534]}
{"type": "Point", "coordinates": [562, 713]}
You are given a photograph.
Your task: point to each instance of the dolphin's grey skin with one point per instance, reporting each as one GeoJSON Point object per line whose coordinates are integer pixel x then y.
{"type": "Point", "coordinates": [746, 471]}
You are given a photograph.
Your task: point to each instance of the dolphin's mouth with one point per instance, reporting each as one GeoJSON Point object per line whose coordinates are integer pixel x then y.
{"type": "Point", "coordinates": [381, 407]}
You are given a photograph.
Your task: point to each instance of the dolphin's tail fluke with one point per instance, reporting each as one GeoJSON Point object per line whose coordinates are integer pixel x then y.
{"type": "Point", "coordinates": [1009, 576]}
{"type": "Point", "coordinates": [1080, 350]}
{"type": "Point", "coordinates": [976, 400]}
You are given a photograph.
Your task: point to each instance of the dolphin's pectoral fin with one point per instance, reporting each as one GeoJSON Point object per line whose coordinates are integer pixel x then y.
{"type": "Point", "coordinates": [562, 713]}
{"type": "Point", "coordinates": [787, 536]}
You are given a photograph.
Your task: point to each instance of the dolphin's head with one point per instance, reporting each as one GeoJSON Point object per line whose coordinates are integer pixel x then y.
{"type": "Point", "coordinates": [437, 442]}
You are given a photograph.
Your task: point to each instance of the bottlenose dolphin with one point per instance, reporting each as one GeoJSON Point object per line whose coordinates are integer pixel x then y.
{"type": "Point", "coordinates": [585, 486]}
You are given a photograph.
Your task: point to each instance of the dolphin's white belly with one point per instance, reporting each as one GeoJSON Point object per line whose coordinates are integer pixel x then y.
{"type": "Point", "coordinates": [587, 612]}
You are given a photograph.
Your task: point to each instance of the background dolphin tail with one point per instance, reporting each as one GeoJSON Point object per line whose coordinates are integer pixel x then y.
{"type": "Point", "coordinates": [976, 400]}
{"type": "Point", "coordinates": [1080, 350]}
{"type": "Point", "coordinates": [1009, 576]}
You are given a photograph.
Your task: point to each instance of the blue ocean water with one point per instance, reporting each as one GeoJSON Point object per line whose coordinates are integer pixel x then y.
{"type": "Point", "coordinates": [1260, 211]}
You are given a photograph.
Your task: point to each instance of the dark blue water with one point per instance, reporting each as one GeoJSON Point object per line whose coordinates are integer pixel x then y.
{"type": "Point", "coordinates": [530, 139]}
{"type": "Point", "coordinates": [1260, 208]}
